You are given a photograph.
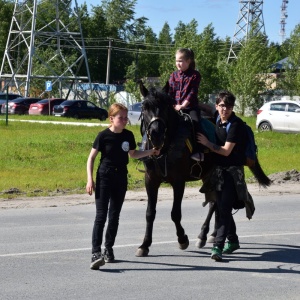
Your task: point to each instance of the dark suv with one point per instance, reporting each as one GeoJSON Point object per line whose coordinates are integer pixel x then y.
{"type": "Point", "coordinates": [80, 109]}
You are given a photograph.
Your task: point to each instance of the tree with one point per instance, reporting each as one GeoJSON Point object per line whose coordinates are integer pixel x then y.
{"type": "Point", "coordinates": [6, 13]}
{"type": "Point", "coordinates": [248, 73]}
{"type": "Point", "coordinates": [224, 68]}
{"type": "Point", "coordinates": [207, 60]}
{"type": "Point", "coordinates": [123, 28]}
{"type": "Point", "coordinates": [145, 61]}
{"type": "Point", "coordinates": [290, 82]}
{"type": "Point", "coordinates": [119, 16]}
{"type": "Point", "coordinates": [167, 53]}
{"type": "Point", "coordinates": [276, 52]}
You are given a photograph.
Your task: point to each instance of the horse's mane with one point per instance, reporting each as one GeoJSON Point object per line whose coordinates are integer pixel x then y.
{"type": "Point", "coordinates": [157, 99]}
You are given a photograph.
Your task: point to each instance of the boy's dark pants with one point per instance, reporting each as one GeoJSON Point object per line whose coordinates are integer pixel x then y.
{"type": "Point", "coordinates": [226, 225]}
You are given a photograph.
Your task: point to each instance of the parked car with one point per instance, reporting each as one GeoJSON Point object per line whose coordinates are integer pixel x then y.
{"type": "Point", "coordinates": [80, 109]}
{"type": "Point", "coordinates": [134, 113]}
{"type": "Point", "coordinates": [10, 96]}
{"type": "Point", "coordinates": [42, 107]}
{"type": "Point", "coordinates": [18, 106]}
{"type": "Point", "coordinates": [279, 115]}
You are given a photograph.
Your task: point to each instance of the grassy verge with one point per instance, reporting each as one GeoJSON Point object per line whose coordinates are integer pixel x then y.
{"type": "Point", "coordinates": [40, 159]}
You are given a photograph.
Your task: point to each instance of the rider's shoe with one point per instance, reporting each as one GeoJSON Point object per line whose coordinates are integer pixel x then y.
{"type": "Point", "coordinates": [198, 156]}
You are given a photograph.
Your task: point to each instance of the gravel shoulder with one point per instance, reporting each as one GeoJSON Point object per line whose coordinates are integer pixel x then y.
{"type": "Point", "coordinates": [276, 188]}
{"type": "Point", "coordinates": [287, 182]}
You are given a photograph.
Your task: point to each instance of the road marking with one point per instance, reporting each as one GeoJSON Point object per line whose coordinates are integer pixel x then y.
{"type": "Point", "coordinates": [136, 245]}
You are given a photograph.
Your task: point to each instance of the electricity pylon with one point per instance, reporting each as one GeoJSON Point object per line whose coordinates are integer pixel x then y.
{"type": "Point", "coordinates": [250, 18]}
{"type": "Point", "coordinates": [45, 43]}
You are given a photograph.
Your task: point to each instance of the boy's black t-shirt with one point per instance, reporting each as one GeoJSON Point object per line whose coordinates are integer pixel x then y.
{"type": "Point", "coordinates": [114, 147]}
{"type": "Point", "coordinates": [236, 134]}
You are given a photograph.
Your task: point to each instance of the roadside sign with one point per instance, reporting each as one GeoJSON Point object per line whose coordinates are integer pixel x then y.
{"type": "Point", "coordinates": [48, 86]}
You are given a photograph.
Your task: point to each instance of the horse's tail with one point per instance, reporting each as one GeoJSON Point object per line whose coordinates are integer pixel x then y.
{"type": "Point", "coordinates": [259, 174]}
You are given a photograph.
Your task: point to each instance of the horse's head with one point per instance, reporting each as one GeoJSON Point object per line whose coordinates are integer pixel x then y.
{"type": "Point", "coordinates": [156, 114]}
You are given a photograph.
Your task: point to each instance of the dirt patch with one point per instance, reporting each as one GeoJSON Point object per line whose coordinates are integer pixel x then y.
{"type": "Point", "coordinates": [282, 183]}
{"type": "Point", "coordinates": [292, 176]}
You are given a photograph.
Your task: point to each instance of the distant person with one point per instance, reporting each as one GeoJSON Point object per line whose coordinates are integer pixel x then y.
{"type": "Point", "coordinates": [114, 143]}
{"type": "Point", "coordinates": [183, 87]}
{"type": "Point", "coordinates": [228, 179]}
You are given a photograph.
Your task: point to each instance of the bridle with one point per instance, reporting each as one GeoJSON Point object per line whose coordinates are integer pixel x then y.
{"type": "Point", "coordinates": [155, 119]}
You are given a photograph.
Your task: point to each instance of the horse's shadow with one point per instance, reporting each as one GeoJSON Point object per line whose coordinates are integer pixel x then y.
{"type": "Point", "coordinates": [286, 256]}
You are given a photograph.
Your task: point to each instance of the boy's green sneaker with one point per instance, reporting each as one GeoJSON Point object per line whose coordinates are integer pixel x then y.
{"type": "Point", "coordinates": [216, 254]}
{"type": "Point", "coordinates": [230, 247]}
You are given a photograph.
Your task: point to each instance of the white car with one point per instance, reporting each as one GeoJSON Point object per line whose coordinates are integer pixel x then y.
{"type": "Point", "coordinates": [279, 115]}
{"type": "Point", "coordinates": [134, 113]}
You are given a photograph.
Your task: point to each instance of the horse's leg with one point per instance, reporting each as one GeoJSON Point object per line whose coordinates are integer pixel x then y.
{"type": "Point", "coordinates": [152, 192]}
{"type": "Point", "coordinates": [213, 235]}
{"type": "Point", "coordinates": [202, 237]}
{"type": "Point", "coordinates": [210, 197]}
{"type": "Point", "coordinates": [178, 191]}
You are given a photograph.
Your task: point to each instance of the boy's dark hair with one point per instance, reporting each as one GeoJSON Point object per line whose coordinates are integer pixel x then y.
{"type": "Point", "coordinates": [227, 97]}
{"type": "Point", "coordinates": [188, 54]}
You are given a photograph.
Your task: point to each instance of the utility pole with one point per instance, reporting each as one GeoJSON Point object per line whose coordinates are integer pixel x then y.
{"type": "Point", "coordinates": [108, 68]}
{"type": "Point", "coordinates": [136, 64]}
{"type": "Point", "coordinates": [108, 60]}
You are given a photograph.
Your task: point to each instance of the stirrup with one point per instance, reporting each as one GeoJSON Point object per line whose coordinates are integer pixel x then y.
{"type": "Point", "coordinates": [196, 164]}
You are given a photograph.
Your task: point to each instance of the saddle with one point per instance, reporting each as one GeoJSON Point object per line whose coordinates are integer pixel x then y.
{"type": "Point", "coordinates": [207, 126]}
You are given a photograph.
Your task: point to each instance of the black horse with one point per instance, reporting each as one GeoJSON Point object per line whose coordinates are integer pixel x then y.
{"type": "Point", "coordinates": [165, 129]}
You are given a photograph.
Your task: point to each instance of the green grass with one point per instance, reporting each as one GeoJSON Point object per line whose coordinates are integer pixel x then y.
{"type": "Point", "coordinates": [40, 159]}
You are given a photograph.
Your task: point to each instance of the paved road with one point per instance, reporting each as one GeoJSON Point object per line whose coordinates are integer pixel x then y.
{"type": "Point", "coordinates": [45, 254]}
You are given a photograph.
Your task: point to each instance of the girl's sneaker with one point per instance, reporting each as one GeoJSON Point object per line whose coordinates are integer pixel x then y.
{"type": "Point", "coordinates": [109, 255]}
{"type": "Point", "coordinates": [97, 261]}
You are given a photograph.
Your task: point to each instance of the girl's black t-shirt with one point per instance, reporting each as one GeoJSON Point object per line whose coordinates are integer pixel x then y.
{"type": "Point", "coordinates": [236, 134]}
{"type": "Point", "coordinates": [114, 147]}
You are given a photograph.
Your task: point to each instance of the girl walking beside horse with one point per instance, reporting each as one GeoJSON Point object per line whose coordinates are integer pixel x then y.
{"type": "Point", "coordinates": [114, 143]}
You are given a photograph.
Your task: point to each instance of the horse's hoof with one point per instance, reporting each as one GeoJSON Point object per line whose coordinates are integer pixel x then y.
{"type": "Point", "coordinates": [211, 239]}
{"type": "Point", "coordinates": [184, 245]}
{"type": "Point", "coordinates": [142, 252]}
{"type": "Point", "coordinates": [200, 243]}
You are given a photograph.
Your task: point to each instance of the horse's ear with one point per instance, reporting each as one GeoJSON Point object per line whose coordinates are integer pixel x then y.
{"type": "Point", "coordinates": [143, 89]}
{"type": "Point", "coordinates": [166, 88]}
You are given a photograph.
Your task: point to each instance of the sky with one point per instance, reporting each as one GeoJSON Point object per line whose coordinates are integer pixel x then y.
{"type": "Point", "coordinates": [223, 14]}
